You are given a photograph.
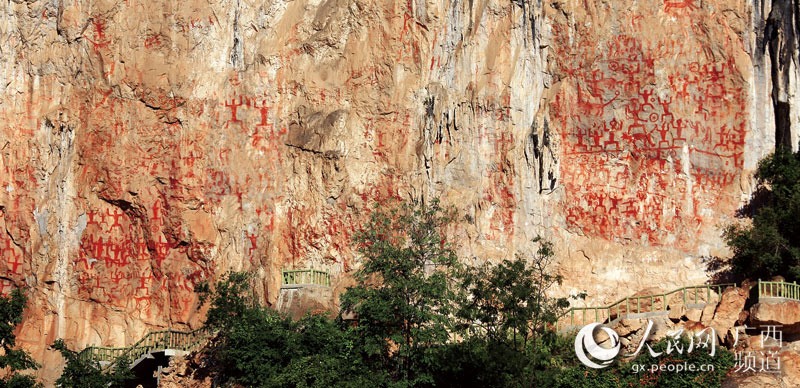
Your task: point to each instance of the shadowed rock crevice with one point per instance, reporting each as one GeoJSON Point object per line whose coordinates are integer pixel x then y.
{"type": "Point", "coordinates": [781, 39]}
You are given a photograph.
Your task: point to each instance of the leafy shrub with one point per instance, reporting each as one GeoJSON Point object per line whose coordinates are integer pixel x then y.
{"type": "Point", "coordinates": [232, 299]}
{"type": "Point", "coordinates": [11, 309]}
{"type": "Point", "coordinates": [84, 373]}
{"type": "Point", "coordinates": [257, 347]}
{"type": "Point", "coordinates": [771, 245]}
{"type": "Point", "coordinates": [405, 294]}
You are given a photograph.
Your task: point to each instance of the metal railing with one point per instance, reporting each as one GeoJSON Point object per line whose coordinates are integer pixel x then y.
{"type": "Point", "coordinates": [642, 304]}
{"type": "Point", "coordinates": [152, 341]}
{"type": "Point", "coordinates": [780, 290]}
{"type": "Point", "coordinates": [292, 277]}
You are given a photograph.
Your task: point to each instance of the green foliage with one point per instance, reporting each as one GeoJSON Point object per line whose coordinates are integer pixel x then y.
{"type": "Point", "coordinates": [264, 349]}
{"type": "Point", "coordinates": [510, 299]}
{"type": "Point", "coordinates": [422, 321]}
{"type": "Point", "coordinates": [257, 347]}
{"type": "Point", "coordinates": [771, 245]}
{"type": "Point", "coordinates": [19, 381]}
{"type": "Point", "coordinates": [505, 317]}
{"type": "Point", "coordinates": [11, 309]}
{"type": "Point", "coordinates": [405, 296]}
{"type": "Point", "coordinates": [232, 299]}
{"type": "Point", "coordinates": [84, 373]}
{"type": "Point", "coordinates": [479, 362]}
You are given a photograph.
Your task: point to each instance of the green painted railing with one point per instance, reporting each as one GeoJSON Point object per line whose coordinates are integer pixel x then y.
{"type": "Point", "coordinates": [781, 290]}
{"type": "Point", "coordinates": [153, 341]}
{"type": "Point", "coordinates": [293, 277]}
{"type": "Point", "coordinates": [641, 304]}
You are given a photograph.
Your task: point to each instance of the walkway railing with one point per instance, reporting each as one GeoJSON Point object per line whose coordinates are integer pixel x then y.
{"type": "Point", "coordinates": [152, 341]}
{"type": "Point", "coordinates": [642, 304]}
{"type": "Point", "coordinates": [781, 290]}
{"type": "Point", "coordinates": [294, 277]}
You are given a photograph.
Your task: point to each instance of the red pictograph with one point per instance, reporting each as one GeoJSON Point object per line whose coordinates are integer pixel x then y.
{"type": "Point", "coordinates": [14, 263]}
{"type": "Point", "coordinates": [626, 134]}
{"type": "Point", "coordinates": [264, 111]}
{"type": "Point", "coordinates": [234, 107]}
{"type": "Point", "coordinates": [99, 40]}
{"type": "Point", "coordinates": [115, 216]}
{"type": "Point", "coordinates": [162, 248]}
{"type": "Point", "coordinates": [500, 194]}
{"type": "Point", "coordinates": [680, 6]}
{"type": "Point", "coordinates": [155, 217]}
{"type": "Point", "coordinates": [6, 286]}
{"type": "Point", "coordinates": [253, 246]}
{"type": "Point", "coordinates": [142, 294]}
{"type": "Point", "coordinates": [95, 218]}
{"type": "Point", "coordinates": [154, 41]}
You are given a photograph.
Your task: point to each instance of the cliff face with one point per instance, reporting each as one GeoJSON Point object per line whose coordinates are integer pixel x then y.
{"type": "Point", "coordinates": [147, 145]}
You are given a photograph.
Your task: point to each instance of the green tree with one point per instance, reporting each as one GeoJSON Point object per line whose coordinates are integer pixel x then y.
{"type": "Point", "coordinates": [264, 349]}
{"type": "Point", "coordinates": [80, 372]}
{"type": "Point", "coordinates": [771, 244]}
{"type": "Point", "coordinates": [231, 299]}
{"type": "Point", "coordinates": [12, 359]}
{"type": "Point", "coordinates": [505, 316]}
{"type": "Point", "coordinates": [422, 320]}
{"type": "Point", "coordinates": [257, 347]}
{"type": "Point", "coordinates": [510, 299]}
{"type": "Point", "coordinates": [404, 299]}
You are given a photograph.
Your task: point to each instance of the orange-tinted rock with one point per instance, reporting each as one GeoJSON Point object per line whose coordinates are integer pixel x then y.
{"type": "Point", "coordinates": [626, 327]}
{"type": "Point", "coordinates": [694, 314]}
{"type": "Point", "coordinates": [147, 146]}
{"type": "Point", "coordinates": [676, 312]}
{"type": "Point", "coordinates": [752, 381]}
{"type": "Point", "coordinates": [313, 300]}
{"type": "Point", "coordinates": [785, 313]}
{"type": "Point", "coordinates": [790, 366]}
{"type": "Point", "coordinates": [708, 313]}
{"type": "Point", "coordinates": [728, 310]}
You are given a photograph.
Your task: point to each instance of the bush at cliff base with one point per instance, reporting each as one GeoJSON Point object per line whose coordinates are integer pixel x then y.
{"type": "Point", "coordinates": [13, 360]}
{"type": "Point", "coordinates": [770, 246]}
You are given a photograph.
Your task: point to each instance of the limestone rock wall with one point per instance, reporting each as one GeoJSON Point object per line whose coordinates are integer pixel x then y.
{"type": "Point", "coordinates": [148, 145]}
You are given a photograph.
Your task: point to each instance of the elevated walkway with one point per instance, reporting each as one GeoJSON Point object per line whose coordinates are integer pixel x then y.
{"type": "Point", "coordinates": [151, 353]}
{"type": "Point", "coordinates": [775, 292]}
{"type": "Point", "coordinates": [301, 278]}
{"type": "Point", "coordinates": [154, 350]}
{"type": "Point", "coordinates": [646, 306]}
{"type": "Point", "coordinates": [641, 306]}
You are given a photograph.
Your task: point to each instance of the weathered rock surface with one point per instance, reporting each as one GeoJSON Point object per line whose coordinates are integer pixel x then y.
{"type": "Point", "coordinates": [190, 371]}
{"type": "Point", "coordinates": [728, 310]}
{"type": "Point", "coordinates": [753, 381]}
{"type": "Point", "coordinates": [788, 374]}
{"type": "Point", "coordinates": [676, 312]}
{"type": "Point", "coordinates": [694, 314]}
{"type": "Point", "coordinates": [147, 145]}
{"type": "Point", "coordinates": [785, 313]}
{"type": "Point", "coordinates": [298, 302]}
{"type": "Point", "coordinates": [754, 340]}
